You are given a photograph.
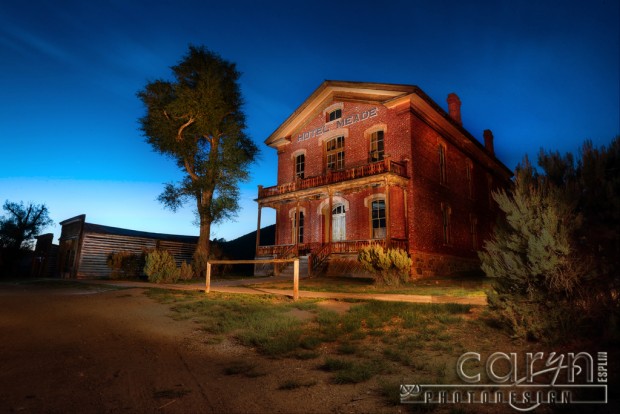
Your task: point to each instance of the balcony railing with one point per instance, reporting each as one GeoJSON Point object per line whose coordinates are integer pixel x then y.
{"type": "Point", "coordinates": [384, 166]}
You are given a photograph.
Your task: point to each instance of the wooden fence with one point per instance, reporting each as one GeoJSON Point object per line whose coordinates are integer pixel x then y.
{"type": "Point", "coordinates": [295, 271]}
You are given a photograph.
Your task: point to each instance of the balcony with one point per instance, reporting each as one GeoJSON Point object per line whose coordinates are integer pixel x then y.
{"type": "Point", "coordinates": [332, 177]}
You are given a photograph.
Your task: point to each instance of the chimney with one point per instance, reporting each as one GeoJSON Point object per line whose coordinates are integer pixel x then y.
{"type": "Point", "coordinates": [488, 141]}
{"type": "Point", "coordinates": [454, 108]}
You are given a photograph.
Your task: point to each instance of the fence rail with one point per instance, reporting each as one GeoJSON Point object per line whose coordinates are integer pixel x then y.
{"type": "Point", "coordinates": [295, 271]}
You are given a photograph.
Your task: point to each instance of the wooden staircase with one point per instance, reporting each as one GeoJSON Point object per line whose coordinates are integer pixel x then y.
{"type": "Point", "coordinates": [303, 268]}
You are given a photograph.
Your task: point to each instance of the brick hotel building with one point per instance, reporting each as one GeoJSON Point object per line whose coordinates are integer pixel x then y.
{"type": "Point", "coordinates": [362, 163]}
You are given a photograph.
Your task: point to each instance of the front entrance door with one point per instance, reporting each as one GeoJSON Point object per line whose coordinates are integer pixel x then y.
{"type": "Point", "coordinates": [339, 223]}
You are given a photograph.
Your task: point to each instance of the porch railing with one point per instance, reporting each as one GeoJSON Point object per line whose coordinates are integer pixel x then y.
{"type": "Point", "coordinates": [384, 166]}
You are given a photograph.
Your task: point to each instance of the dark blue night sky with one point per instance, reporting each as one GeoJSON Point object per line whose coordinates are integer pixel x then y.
{"type": "Point", "coordinates": [537, 73]}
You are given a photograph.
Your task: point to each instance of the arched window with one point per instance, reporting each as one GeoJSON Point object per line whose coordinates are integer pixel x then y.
{"type": "Point", "coordinates": [335, 114]}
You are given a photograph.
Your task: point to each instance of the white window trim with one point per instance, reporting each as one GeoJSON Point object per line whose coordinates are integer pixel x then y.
{"type": "Point", "coordinates": [335, 201]}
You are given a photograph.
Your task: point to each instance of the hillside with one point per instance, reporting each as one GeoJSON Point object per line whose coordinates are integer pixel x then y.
{"type": "Point", "coordinates": [244, 247]}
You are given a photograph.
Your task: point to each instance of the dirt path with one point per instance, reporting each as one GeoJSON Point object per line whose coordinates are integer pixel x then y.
{"type": "Point", "coordinates": [70, 351]}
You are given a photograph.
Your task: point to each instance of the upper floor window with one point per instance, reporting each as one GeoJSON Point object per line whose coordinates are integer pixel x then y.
{"type": "Point", "coordinates": [442, 164]}
{"type": "Point", "coordinates": [334, 149]}
{"type": "Point", "coordinates": [377, 150]}
{"type": "Point", "coordinates": [378, 219]}
{"type": "Point", "coordinates": [300, 165]}
{"type": "Point", "coordinates": [335, 114]}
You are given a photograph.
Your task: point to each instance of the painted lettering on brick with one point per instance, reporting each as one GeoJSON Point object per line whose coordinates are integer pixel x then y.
{"type": "Point", "coordinates": [342, 122]}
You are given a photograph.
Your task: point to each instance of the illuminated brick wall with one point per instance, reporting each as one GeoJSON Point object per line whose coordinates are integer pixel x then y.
{"type": "Point", "coordinates": [409, 138]}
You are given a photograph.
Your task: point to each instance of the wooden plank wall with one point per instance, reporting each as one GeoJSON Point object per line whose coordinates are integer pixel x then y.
{"type": "Point", "coordinates": [97, 247]}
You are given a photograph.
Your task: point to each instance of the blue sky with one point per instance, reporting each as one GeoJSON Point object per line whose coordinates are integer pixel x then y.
{"type": "Point", "coordinates": [537, 73]}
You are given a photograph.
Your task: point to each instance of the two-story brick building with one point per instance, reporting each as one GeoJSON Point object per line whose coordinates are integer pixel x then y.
{"type": "Point", "coordinates": [362, 163]}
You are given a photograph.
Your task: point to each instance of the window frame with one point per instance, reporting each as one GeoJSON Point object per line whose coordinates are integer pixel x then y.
{"type": "Point", "coordinates": [377, 139]}
{"type": "Point", "coordinates": [300, 166]}
{"type": "Point", "coordinates": [376, 219]}
{"type": "Point", "coordinates": [443, 156]}
{"type": "Point", "coordinates": [335, 154]}
{"type": "Point", "coordinates": [334, 115]}
{"type": "Point", "coordinates": [446, 224]}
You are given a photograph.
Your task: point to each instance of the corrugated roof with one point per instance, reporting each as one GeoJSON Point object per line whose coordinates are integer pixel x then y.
{"type": "Point", "coordinates": [99, 229]}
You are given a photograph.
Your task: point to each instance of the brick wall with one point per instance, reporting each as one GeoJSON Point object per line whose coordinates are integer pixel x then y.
{"type": "Point", "coordinates": [407, 137]}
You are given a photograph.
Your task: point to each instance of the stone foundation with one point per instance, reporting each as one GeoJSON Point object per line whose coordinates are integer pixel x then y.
{"type": "Point", "coordinates": [424, 265]}
{"type": "Point", "coordinates": [433, 265]}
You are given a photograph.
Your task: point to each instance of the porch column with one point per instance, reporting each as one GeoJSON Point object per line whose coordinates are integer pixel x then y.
{"type": "Point", "coordinates": [388, 221]}
{"type": "Point", "coordinates": [297, 220]}
{"type": "Point", "coordinates": [260, 208]}
{"type": "Point", "coordinates": [406, 217]}
{"type": "Point", "coordinates": [329, 219]}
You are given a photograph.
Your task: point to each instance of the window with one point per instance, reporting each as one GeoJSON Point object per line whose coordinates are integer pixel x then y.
{"type": "Point", "coordinates": [376, 146]}
{"type": "Point", "coordinates": [469, 171]}
{"type": "Point", "coordinates": [378, 219]}
{"type": "Point", "coordinates": [442, 164]}
{"type": "Point", "coordinates": [446, 212]}
{"type": "Point", "coordinates": [300, 165]}
{"type": "Point", "coordinates": [335, 114]}
{"type": "Point", "coordinates": [300, 239]}
{"type": "Point", "coordinates": [335, 153]}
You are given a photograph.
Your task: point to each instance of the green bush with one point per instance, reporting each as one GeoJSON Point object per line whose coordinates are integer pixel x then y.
{"type": "Point", "coordinates": [160, 267]}
{"type": "Point", "coordinates": [186, 272]}
{"type": "Point", "coordinates": [125, 264]}
{"type": "Point", "coordinates": [390, 267]}
{"type": "Point", "coordinates": [554, 256]}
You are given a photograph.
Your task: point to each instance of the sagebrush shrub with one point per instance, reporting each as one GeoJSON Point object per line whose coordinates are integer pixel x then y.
{"type": "Point", "coordinates": [390, 267]}
{"type": "Point", "coordinates": [186, 272]}
{"type": "Point", "coordinates": [160, 267]}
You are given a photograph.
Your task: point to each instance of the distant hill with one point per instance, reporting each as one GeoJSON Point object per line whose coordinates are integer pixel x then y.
{"type": "Point", "coordinates": [244, 247]}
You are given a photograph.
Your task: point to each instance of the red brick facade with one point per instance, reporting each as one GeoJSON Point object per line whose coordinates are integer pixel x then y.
{"type": "Point", "coordinates": [392, 167]}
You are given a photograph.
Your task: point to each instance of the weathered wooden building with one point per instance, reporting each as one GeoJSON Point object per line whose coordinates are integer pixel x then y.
{"type": "Point", "coordinates": [84, 247]}
{"type": "Point", "coordinates": [372, 163]}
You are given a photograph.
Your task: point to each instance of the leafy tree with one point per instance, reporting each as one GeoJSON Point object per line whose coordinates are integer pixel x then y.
{"type": "Point", "coordinates": [554, 255]}
{"type": "Point", "coordinates": [198, 120]}
{"type": "Point", "coordinates": [22, 223]}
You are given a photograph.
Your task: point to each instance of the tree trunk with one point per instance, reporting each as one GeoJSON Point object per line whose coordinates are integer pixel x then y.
{"type": "Point", "coordinates": [203, 249]}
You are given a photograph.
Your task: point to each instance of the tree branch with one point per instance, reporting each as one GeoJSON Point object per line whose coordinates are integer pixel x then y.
{"type": "Point", "coordinates": [182, 128]}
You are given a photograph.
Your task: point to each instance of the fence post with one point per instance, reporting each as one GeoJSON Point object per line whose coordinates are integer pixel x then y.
{"type": "Point", "coordinates": [296, 279]}
{"type": "Point", "coordinates": [208, 281]}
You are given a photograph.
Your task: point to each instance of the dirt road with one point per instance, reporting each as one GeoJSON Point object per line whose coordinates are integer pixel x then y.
{"type": "Point", "coordinates": [109, 351]}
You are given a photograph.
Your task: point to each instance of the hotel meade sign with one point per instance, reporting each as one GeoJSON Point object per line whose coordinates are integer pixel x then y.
{"type": "Point", "coordinates": [339, 123]}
